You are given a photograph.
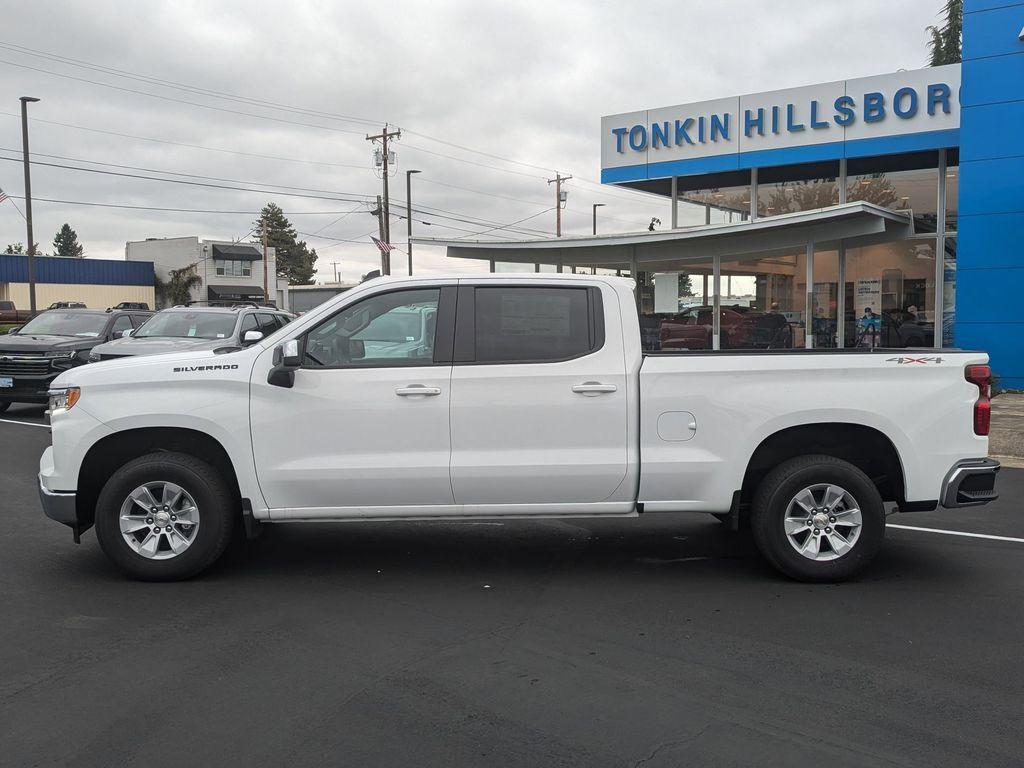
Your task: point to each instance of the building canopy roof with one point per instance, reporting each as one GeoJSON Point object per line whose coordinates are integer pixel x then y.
{"type": "Point", "coordinates": [854, 224]}
{"type": "Point", "coordinates": [236, 252]}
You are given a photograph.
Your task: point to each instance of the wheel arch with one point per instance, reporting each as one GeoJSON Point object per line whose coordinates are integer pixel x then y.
{"type": "Point", "coordinates": [113, 451]}
{"type": "Point", "coordinates": [867, 448]}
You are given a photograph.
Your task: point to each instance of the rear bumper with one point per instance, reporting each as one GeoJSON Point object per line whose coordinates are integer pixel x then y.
{"type": "Point", "coordinates": [970, 483]}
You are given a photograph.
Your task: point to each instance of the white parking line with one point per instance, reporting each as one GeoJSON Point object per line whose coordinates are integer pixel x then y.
{"type": "Point", "coordinates": [955, 533]}
{"type": "Point", "coordinates": [25, 423]}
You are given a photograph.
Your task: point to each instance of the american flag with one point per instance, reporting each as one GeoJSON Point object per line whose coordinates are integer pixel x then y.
{"type": "Point", "coordinates": [385, 248]}
{"type": "Point", "coordinates": [3, 195]}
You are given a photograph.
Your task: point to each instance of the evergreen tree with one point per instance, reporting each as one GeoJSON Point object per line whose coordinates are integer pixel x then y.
{"type": "Point", "coordinates": [945, 42]}
{"type": "Point", "coordinates": [19, 248]}
{"type": "Point", "coordinates": [66, 244]}
{"type": "Point", "coordinates": [295, 261]}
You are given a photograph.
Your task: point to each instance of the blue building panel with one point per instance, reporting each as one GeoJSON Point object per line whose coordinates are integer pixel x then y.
{"type": "Point", "coordinates": [992, 32]}
{"type": "Point", "coordinates": [14, 269]}
{"type": "Point", "coordinates": [989, 313]}
{"type": "Point", "coordinates": [990, 240]}
{"type": "Point", "coordinates": [996, 80]}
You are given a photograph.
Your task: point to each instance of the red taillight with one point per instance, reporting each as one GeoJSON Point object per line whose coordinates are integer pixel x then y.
{"type": "Point", "coordinates": [981, 376]}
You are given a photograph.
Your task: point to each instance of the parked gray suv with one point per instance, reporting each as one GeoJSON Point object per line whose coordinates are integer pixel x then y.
{"type": "Point", "coordinates": [183, 329]}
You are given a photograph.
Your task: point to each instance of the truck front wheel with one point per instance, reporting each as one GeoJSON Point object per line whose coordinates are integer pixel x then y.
{"type": "Point", "coordinates": [164, 517]}
{"type": "Point", "coordinates": [818, 518]}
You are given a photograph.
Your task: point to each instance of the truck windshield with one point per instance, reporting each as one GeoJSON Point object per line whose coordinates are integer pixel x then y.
{"type": "Point", "coordinates": [58, 323]}
{"type": "Point", "coordinates": [188, 325]}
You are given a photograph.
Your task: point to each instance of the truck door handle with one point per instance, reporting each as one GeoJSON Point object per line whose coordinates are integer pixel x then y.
{"type": "Point", "coordinates": [591, 388]}
{"type": "Point", "coordinates": [417, 389]}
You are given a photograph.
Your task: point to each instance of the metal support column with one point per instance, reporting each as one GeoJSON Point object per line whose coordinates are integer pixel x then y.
{"type": "Point", "coordinates": [675, 202]}
{"type": "Point", "coordinates": [634, 272]}
{"type": "Point", "coordinates": [716, 304]}
{"type": "Point", "coordinates": [841, 299]}
{"type": "Point", "coordinates": [809, 303]}
{"type": "Point", "coordinates": [753, 194]}
{"type": "Point", "coordinates": [940, 254]}
{"type": "Point", "coordinates": [492, 265]}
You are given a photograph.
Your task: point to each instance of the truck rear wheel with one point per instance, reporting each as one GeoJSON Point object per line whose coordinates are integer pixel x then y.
{"type": "Point", "coordinates": [818, 518]}
{"type": "Point", "coordinates": [164, 517]}
{"type": "Point", "coordinates": [4, 407]}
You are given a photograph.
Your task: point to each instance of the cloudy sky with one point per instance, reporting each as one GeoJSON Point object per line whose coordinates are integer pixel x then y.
{"type": "Point", "coordinates": [492, 98]}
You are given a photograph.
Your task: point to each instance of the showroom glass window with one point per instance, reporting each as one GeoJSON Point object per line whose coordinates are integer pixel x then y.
{"type": "Point", "coordinates": [794, 188]}
{"type": "Point", "coordinates": [721, 198]}
{"type": "Point", "coordinates": [890, 294]}
{"type": "Point", "coordinates": [762, 302]}
{"type": "Point", "coordinates": [899, 182]}
{"type": "Point", "coordinates": [676, 305]}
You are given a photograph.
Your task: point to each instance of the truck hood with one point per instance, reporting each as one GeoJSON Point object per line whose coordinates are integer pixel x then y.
{"type": "Point", "coordinates": [159, 345]}
{"type": "Point", "coordinates": [165, 368]}
{"type": "Point", "coordinates": [15, 343]}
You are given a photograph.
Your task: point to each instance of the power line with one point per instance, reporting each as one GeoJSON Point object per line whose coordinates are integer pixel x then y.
{"type": "Point", "coordinates": [160, 208]}
{"type": "Point", "coordinates": [69, 61]}
{"type": "Point", "coordinates": [176, 101]}
{"type": "Point", "coordinates": [190, 146]}
{"type": "Point", "coordinates": [273, 105]}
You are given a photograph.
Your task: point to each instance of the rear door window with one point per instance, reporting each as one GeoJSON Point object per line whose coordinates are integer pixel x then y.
{"type": "Point", "coordinates": [516, 324]}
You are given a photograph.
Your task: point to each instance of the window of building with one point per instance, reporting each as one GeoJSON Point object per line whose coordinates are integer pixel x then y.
{"type": "Point", "coordinates": [232, 268]}
{"type": "Point", "coordinates": [890, 294]}
{"type": "Point", "coordinates": [676, 311]}
{"type": "Point", "coordinates": [898, 182]}
{"type": "Point", "coordinates": [794, 188]}
{"type": "Point", "coordinates": [724, 197]}
{"type": "Point", "coordinates": [518, 325]}
{"type": "Point", "coordinates": [949, 293]}
{"type": "Point", "coordinates": [386, 330]}
{"type": "Point", "coordinates": [952, 195]}
{"type": "Point", "coordinates": [763, 302]}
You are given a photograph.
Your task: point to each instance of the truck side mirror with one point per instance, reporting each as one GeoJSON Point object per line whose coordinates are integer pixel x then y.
{"type": "Point", "coordinates": [356, 349]}
{"type": "Point", "coordinates": [126, 333]}
{"type": "Point", "coordinates": [286, 360]}
{"type": "Point", "coordinates": [251, 337]}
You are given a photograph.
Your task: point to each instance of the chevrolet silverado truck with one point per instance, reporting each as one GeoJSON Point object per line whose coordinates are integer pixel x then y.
{"type": "Point", "coordinates": [524, 396]}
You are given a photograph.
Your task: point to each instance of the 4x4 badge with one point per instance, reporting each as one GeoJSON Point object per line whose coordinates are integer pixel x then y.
{"type": "Point", "coordinates": [904, 360]}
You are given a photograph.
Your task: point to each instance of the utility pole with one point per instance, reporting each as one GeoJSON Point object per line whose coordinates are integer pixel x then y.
{"type": "Point", "coordinates": [335, 265]}
{"type": "Point", "coordinates": [408, 212]}
{"type": "Point", "coordinates": [385, 257]}
{"type": "Point", "coordinates": [596, 206]}
{"type": "Point", "coordinates": [31, 245]}
{"type": "Point", "coordinates": [557, 181]}
{"type": "Point", "coordinates": [263, 237]}
{"type": "Point", "coordinates": [383, 137]}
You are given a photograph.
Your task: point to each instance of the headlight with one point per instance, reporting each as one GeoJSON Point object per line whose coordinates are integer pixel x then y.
{"type": "Point", "coordinates": [64, 398]}
{"type": "Point", "coordinates": [94, 357]}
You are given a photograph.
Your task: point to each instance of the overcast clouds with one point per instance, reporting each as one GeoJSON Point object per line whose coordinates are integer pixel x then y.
{"type": "Point", "coordinates": [522, 80]}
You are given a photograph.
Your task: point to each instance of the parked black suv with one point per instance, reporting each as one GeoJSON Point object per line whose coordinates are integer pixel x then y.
{"type": "Point", "coordinates": [53, 341]}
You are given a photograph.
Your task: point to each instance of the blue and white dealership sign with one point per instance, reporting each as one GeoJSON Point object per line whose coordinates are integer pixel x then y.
{"type": "Point", "coordinates": [903, 111]}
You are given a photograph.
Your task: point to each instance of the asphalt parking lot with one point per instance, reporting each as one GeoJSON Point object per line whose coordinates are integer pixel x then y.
{"type": "Point", "coordinates": [664, 641]}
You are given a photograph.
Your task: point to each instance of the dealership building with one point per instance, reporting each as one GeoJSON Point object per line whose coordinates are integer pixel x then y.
{"type": "Point", "coordinates": [880, 211]}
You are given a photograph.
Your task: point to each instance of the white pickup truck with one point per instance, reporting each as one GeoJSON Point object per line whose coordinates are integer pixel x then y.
{"type": "Point", "coordinates": [509, 396]}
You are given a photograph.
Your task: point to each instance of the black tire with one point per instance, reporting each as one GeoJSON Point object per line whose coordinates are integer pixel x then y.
{"type": "Point", "coordinates": [772, 501]}
{"type": "Point", "coordinates": [4, 407]}
{"type": "Point", "coordinates": [200, 480]}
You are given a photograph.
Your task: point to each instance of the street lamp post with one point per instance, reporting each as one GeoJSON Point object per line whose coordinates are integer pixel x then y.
{"type": "Point", "coordinates": [408, 211]}
{"type": "Point", "coordinates": [25, 101]}
{"type": "Point", "coordinates": [596, 206]}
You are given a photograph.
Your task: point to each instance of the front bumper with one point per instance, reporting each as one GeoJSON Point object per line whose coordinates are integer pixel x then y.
{"type": "Point", "coordinates": [970, 483]}
{"type": "Point", "coordinates": [58, 506]}
{"type": "Point", "coordinates": [28, 389]}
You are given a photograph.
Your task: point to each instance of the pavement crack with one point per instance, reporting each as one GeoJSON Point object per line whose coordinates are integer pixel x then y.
{"type": "Point", "coordinates": [670, 744]}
